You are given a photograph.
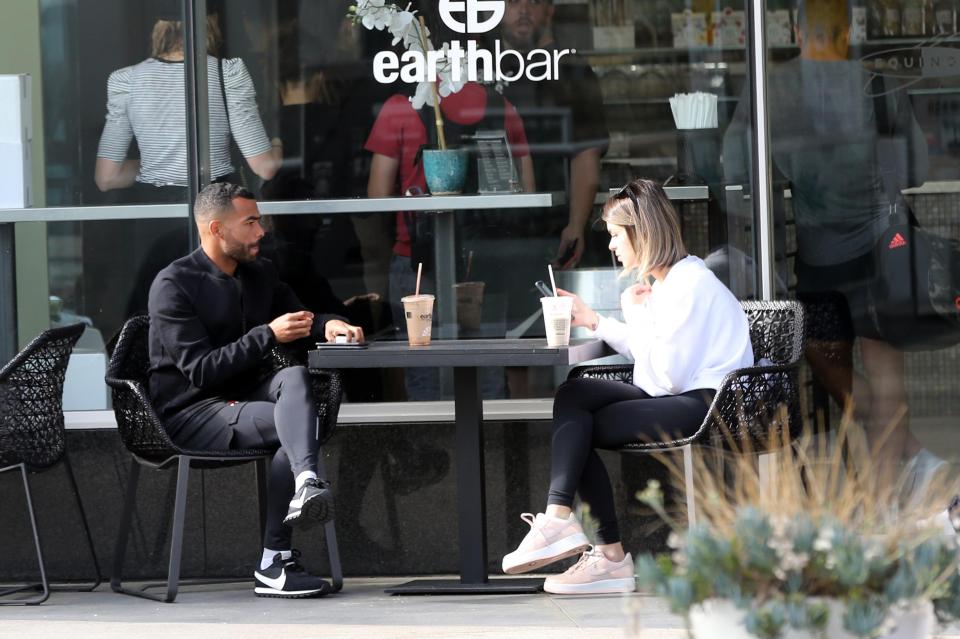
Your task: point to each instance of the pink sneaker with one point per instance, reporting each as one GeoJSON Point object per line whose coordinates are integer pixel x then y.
{"type": "Point", "coordinates": [550, 539]}
{"type": "Point", "coordinates": [593, 574]}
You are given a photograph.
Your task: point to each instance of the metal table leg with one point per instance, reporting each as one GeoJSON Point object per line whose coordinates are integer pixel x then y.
{"type": "Point", "coordinates": [471, 507]}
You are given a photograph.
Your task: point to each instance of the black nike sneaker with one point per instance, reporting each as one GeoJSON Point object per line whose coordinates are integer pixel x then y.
{"type": "Point", "coordinates": [311, 505]}
{"type": "Point", "coordinates": [287, 579]}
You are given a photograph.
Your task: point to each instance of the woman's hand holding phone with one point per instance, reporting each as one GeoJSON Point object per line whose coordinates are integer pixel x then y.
{"type": "Point", "coordinates": [582, 315]}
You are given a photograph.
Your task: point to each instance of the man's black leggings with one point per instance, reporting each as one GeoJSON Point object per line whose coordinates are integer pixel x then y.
{"type": "Point", "coordinates": [593, 413]}
{"type": "Point", "coordinates": [280, 411]}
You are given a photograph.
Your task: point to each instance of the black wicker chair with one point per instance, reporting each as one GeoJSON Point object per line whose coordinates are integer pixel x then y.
{"type": "Point", "coordinates": [748, 406]}
{"type": "Point", "coordinates": [146, 439]}
{"type": "Point", "coordinates": [32, 435]}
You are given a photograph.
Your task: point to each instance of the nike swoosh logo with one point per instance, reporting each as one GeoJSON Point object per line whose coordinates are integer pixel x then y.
{"type": "Point", "coordinates": [276, 584]}
{"type": "Point", "coordinates": [300, 501]}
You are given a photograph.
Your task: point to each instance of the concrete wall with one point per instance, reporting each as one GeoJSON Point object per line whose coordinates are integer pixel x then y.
{"type": "Point", "coordinates": [396, 505]}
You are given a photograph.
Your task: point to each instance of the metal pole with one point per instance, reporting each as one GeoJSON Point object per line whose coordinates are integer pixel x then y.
{"type": "Point", "coordinates": [8, 295]}
{"type": "Point", "coordinates": [197, 102]}
{"type": "Point", "coordinates": [760, 176]}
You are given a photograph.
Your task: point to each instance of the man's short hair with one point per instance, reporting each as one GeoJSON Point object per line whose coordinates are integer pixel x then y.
{"type": "Point", "coordinates": [217, 197]}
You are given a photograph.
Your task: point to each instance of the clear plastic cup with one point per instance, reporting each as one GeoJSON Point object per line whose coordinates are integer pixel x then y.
{"type": "Point", "coordinates": [556, 319]}
{"type": "Point", "coordinates": [418, 310]}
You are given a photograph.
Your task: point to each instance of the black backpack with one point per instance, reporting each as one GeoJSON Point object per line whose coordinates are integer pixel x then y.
{"type": "Point", "coordinates": [914, 295]}
{"type": "Point", "coordinates": [915, 292]}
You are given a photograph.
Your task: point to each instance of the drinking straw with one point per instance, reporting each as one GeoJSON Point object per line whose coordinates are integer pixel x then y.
{"type": "Point", "coordinates": [419, 273]}
{"type": "Point", "coordinates": [466, 276]}
{"type": "Point", "coordinates": [552, 281]}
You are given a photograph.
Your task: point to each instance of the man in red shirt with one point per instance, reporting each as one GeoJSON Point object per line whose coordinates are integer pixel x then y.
{"type": "Point", "coordinates": [397, 136]}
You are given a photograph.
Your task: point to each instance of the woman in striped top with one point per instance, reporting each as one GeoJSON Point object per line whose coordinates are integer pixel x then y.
{"type": "Point", "coordinates": [147, 101]}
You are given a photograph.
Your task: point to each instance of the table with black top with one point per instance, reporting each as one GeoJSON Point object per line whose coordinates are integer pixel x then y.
{"type": "Point", "coordinates": [465, 357]}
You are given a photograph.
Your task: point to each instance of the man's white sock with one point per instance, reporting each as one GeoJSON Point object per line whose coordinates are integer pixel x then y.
{"type": "Point", "coordinates": [304, 476]}
{"type": "Point", "coordinates": [269, 554]}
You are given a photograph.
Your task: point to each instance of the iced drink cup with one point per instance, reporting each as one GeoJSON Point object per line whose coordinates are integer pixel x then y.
{"type": "Point", "coordinates": [469, 304]}
{"type": "Point", "coordinates": [556, 319]}
{"type": "Point", "coordinates": [418, 310]}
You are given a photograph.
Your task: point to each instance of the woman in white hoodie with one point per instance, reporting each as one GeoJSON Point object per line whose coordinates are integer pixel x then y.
{"type": "Point", "coordinates": [684, 333]}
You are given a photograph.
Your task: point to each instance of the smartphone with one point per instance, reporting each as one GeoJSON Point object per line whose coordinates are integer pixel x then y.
{"type": "Point", "coordinates": [545, 291]}
{"type": "Point", "coordinates": [342, 346]}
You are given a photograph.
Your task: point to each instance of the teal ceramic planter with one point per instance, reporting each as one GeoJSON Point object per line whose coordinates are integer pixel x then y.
{"type": "Point", "coordinates": [446, 171]}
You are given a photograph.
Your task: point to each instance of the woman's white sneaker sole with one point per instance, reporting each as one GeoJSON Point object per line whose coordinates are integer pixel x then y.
{"type": "Point", "coordinates": [605, 586]}
{"type": "Point", "coordinates": [516, 563]}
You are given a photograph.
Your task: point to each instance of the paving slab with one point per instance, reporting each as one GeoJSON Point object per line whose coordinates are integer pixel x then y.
{"type": "Point", "coordinates": [361, 611]}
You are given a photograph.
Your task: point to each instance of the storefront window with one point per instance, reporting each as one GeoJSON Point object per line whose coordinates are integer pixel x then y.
{"type": "Point", "coordinates": [108, 135]}
{"type": "Point", "coordinates": [862, 112]}
{"type": "Point", "coordinates": [581, 98]}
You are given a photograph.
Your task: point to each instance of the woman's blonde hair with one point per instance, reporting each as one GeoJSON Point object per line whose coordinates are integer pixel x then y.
{"type": "Point", "coordinates": [167, 37]}
{"type": "Point", "coordinates": [652, 224]}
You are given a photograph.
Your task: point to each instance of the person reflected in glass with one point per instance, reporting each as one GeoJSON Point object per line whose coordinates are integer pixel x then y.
{"type": "Point", "coordinates": [399, 134]}
{"type": "Point", "coordinates": [310, 251]}
{"type": "Point", "coordinates": [826, 141]}
{"type": "Point", "coordinates": [146, 102]}
{"type": "Point", "coordinates": [563, 116]}
{"type": "Point", "coordinates": [564, 110]}
{"type": "Point", "coordinates": [683, 333]}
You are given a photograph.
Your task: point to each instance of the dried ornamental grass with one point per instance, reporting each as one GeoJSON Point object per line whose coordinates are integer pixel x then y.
{"type": "Point", "coordinates": [831, 523]}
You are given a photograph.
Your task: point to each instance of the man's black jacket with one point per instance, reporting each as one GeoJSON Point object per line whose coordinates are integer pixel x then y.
{"type": "Point", "coordinates": [209, 331]}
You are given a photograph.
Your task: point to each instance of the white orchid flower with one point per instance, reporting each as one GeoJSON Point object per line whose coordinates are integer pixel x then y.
{"type": "Point", "coordinates": [423, 95]}
{"type": "Point", "coordinates": [376, 15]}
{"type": "Point", "coordinates": [402, 26]}
{"type": "Point", "coordinates": [448, 85]}
{"type": "Point", "coordinates": [445, 73]}
{"type": "Point", "coordinates": [411, 37]}
{"type": "Point", "coordinates": [367, 5]}
{"type": "Point", "coordinates": [378, 20]}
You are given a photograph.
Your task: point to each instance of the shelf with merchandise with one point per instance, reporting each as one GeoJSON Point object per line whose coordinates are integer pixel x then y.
{"type": "Point", "coordinates": [667, 51]}
{"type": "Point", "coordinates": [674, 52]}
{"type": "Point", "coordinates": [953, 40]}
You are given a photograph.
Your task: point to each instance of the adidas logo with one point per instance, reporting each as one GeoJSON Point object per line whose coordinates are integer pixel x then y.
{"type": "Point", "coordinates": [897, 242]}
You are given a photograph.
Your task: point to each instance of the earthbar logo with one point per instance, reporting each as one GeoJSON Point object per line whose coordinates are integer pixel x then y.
{"type": "Point", "coordinates": [473, 10]}
{"type": "Point", "coordinates": [469, 61]}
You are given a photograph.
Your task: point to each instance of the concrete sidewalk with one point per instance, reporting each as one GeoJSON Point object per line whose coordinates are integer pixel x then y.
{"type": "Point", "coordinates": [361, 611]}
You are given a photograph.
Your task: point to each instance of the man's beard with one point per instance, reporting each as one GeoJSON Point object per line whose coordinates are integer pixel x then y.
{"type": "Point", "coordinates": [241, 252]}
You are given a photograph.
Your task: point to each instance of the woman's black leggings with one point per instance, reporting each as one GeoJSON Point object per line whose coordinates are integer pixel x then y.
{"type": "Point", "coordinates": [594, 413]}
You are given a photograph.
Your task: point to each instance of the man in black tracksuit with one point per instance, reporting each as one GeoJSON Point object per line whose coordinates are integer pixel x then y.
{"type": "Point", "coordinates": [214, 316]}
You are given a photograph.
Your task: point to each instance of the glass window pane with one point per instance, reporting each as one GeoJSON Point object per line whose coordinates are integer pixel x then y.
{"type": "Point", "coordinates": [108, 130]}
{"type": "Point", "coordinates": [588, 109]}
{"type": "Point", "coordinates": [863, 134]}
